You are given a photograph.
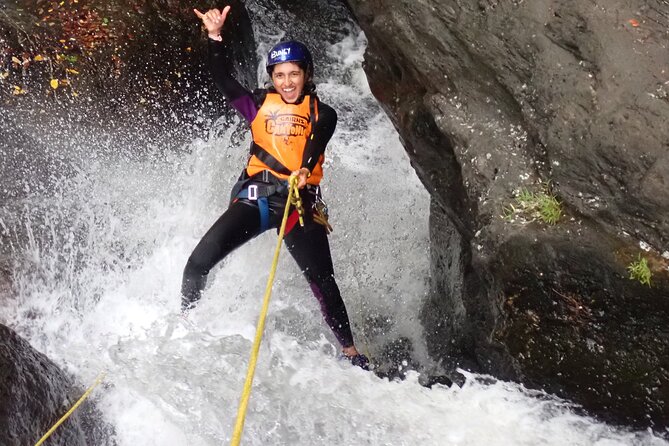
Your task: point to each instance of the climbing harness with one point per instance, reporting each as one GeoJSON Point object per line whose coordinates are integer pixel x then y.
{"type": "Point", "coordinates": [260, 187]}
{"type": "Point", "coordinates": [293, 200]}
{"type": "Point", "coordinates": [69, 412]}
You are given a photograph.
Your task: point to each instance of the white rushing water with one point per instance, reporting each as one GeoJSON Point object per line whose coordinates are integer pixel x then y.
{"type": "Point", "coordinates": [98, 289]}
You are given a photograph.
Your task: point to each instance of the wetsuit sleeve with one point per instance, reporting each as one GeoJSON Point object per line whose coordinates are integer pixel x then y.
{"type": "Point", "coordinates": [320, 135]}
{"type": "Point", "coordinates": [239, 97]}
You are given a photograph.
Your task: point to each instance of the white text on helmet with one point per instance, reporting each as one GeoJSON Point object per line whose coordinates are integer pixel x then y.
{"type": "Point", "coordinates": [280, 53]}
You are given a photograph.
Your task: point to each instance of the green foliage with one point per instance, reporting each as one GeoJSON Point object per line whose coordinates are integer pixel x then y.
{"type": "Point", "coordinates": [542, 205]}
{"type": "Point", "coordinates": [550, 208]}
{"type": "Point", "coordinates": [640, 271]}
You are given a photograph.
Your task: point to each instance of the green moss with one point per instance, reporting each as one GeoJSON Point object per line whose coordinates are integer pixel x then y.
{"type": "Point", "coordinates": [640, 271]}
{"type": "Point", "coordinates": [536, 205]}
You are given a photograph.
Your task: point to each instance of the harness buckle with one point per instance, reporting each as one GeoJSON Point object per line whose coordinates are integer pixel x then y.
{"type": "Point", "coordinates": [253, 192]}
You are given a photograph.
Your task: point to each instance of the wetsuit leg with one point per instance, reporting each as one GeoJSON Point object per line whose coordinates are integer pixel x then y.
{"type": "Point", "coordinates": [239, 224]}
{"type": "Point", "coordinates": [311, 251]}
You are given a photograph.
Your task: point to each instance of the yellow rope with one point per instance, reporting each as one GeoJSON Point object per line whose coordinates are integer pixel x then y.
{"type": "Point", "coordinates": [293, 198]}
{"type": "Point", "coordinates": [69, 412]}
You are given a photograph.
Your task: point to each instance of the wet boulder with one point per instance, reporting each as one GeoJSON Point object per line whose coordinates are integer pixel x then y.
{"type": "Point", "coordinates": [36, 393]}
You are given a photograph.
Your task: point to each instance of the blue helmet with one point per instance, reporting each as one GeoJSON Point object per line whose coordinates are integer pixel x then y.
{"type": "Point", "coordinates": [290, 51]}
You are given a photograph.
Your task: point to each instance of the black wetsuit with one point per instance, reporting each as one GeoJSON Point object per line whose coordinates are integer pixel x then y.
{"type": "Point", "coordinates": [241, 221]}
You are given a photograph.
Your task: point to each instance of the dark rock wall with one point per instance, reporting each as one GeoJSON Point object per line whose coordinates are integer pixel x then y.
{"type": "Point", "coordinates": [491, 98]}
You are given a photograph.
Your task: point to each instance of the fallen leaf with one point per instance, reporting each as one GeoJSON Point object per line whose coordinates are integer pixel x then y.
{"type": "Point", "coordinates": [38, 58]}
{"type": "Point", "coordinates": [633, 22]}
{"type": "Point", "coordinates": [54, 83]}
{"type": "Point", "coordinates": [71, 71]}
{"type": "Point", "coordinates": [18, 90]}
{"type": "Point", "coordinates": [4, 75]}
{"type": "Point", "coordinates": [16, 60]}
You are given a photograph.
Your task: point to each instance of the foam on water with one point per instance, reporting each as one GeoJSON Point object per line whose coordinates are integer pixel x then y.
{"type": "Point", "coordinates": [99, 272]}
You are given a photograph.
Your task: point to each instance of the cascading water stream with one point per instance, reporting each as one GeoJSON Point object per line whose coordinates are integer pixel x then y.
{"type": "Point", "coordinates": [97, 274]}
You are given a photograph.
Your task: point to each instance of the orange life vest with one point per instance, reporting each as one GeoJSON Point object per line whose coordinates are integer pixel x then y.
{"type": "Point", "coordinates": [282, 130]}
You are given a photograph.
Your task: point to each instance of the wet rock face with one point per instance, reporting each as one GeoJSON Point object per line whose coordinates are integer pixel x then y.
{"type": "Point", "coordinates": [33, 388]}
{"type": "Point", "coordinates": [491, 98]}
{"type": "Point", "coordinates": [124, 53]}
